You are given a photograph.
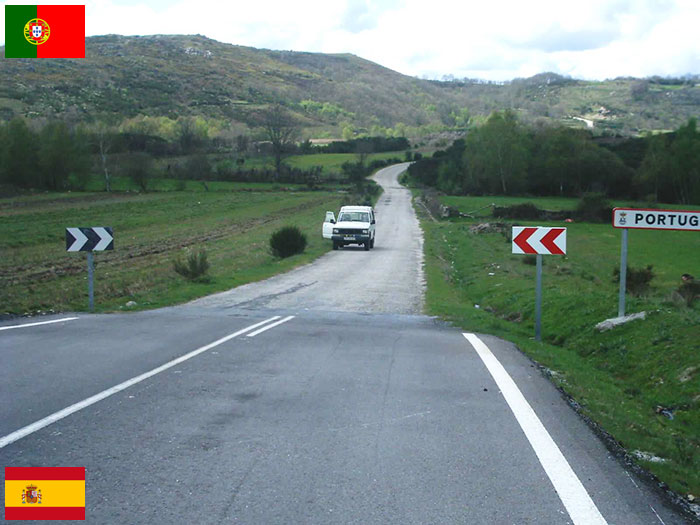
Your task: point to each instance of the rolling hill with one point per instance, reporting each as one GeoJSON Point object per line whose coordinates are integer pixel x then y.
{"type": "Point", "coordinates": [125, 76]}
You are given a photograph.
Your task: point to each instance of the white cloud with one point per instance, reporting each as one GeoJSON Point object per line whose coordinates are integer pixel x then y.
{"type": "Point", "coordinates": [495, 39]}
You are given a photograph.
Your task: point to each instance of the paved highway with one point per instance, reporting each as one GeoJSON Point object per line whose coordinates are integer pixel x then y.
{"type": "Point", "coordinates": [308, 398]}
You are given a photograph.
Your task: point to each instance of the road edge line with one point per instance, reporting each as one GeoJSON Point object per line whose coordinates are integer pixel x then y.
{"type": "Point", "coordinates": [26, 325]}
{"type": "Point", "coordinates": [568, 486]}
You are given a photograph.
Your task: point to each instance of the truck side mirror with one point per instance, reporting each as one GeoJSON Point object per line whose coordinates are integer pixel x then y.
{"type": "Point", "coordinates": [373, 222]}
{"type": "Point", "coordinates": [332, 221]}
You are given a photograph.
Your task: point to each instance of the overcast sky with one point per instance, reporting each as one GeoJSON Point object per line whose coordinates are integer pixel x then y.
{"type": "Point", "coordinates": [488, 39]}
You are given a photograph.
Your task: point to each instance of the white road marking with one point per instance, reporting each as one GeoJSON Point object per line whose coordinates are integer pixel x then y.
{"type": "Point", "coordinates": [657, 515]}
{"type": "Point", "coordinates": [57, 416]}
{"type": "Point", "coordinates": [571, 491]}
{"type": "Point", "coordinates": [271, 326]}
{"type": "Point", "coordinates": [38, 324]}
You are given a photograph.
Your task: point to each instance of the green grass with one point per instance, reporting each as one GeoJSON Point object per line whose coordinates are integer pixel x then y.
{"type": "Point", "coordinates": [150, 230]}
{"type": "Point", "coordinates": [619, 377]}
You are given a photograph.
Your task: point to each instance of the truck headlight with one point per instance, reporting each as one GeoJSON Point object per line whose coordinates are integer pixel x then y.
{"type": "Point", "coordinates": [335, 230]}
{"type": "Point", "coordinates": [365, 231]}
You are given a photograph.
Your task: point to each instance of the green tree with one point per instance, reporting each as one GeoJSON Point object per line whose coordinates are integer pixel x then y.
{"type": "Point", "coordinates": [685, 174]}
{"type": "Point", "coordinates": [139, 168]}
{"type": "Point", "coordinates": [655, 165]}
{"type": "Point", "coordinates": [20, 165]}
{"type": "Point", "coordinates": [497, 154]}
{"type": "Point", "coordinates": [63, 161]}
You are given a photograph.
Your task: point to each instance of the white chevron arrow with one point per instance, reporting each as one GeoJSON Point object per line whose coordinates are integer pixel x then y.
{"type": "Point", "coordinates": [80, 239]}
{"type": "Point", "coordinates": [105, 239]}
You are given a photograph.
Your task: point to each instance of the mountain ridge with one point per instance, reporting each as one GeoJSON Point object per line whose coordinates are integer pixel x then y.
{"type": "Point", "coordinates": [192, 75]}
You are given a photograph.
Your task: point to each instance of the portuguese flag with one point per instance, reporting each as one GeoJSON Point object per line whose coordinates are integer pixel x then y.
{"type": "Point", "coordinates": [44, 31]}
{"type": "Point", "coordinates": [46, 493]}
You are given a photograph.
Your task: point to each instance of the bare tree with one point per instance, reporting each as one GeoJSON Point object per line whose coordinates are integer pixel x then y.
{"type": "Point", "coordinates": [281, 129]}
{"type": "Point", "coordinates": [104, 143]}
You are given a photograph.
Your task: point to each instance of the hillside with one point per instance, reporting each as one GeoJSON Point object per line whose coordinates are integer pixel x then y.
{"type": "Point", "coordinates": [192, 75]}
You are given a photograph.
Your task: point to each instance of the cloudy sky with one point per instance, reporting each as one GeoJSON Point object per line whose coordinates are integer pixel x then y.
{"type": "Point", "coordinates": [488, 39]}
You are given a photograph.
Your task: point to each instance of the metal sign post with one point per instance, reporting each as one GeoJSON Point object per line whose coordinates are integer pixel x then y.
{"type": "Point", "coordinates": [538, 241]}
{"type": "Point", "coordinates": [91, 288]}
{"type": "Point", "coordinates": [647, 219]}
{"type": "Point", "coordinates": [90, 240]}
{"type": "Point", "coordinates": [538, 300]}
{"type": "Point", "coordinates": [623, 274]}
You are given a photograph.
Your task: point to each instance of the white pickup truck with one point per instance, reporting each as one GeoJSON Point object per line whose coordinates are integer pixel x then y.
{"type": "Point", "coordinates": [355, 225]}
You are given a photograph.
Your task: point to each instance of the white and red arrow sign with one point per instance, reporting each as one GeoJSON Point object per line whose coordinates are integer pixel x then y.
{"type": "Point", "coordinates": [538, 240]}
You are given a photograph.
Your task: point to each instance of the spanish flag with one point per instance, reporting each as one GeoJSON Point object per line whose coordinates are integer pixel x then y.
{"type": "Point", "coordinates": [45, 493]}
{"type": "Point", "coordinates": [44, 31]}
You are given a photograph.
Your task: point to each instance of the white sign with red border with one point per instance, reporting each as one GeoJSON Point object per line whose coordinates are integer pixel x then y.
{"type": "Point", "coordinates": [656, 219]}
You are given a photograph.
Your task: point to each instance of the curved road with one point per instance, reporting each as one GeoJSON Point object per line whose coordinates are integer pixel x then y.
{"type": "Point", "coordinates": [317, 397]}
{"type": "Point", "coordinates": [388, 279]}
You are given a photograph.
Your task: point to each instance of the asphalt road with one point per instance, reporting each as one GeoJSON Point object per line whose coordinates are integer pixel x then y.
{"type": "Point", "coordinates": [284, 402]}
{"type": "Point", "coordinates": [388, 279]}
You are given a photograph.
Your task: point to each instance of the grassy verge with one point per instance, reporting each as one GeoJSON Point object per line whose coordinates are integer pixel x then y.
{"type": "Point", "coordinates": [628, 380]}
{"type": "Point", "coordinates": [37, 274]}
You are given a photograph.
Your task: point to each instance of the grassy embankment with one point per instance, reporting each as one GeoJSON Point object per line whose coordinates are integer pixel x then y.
{"type": "Point", "coordinates": [37, 274]}
{"type": "Point", "coordinates": [622, 378]}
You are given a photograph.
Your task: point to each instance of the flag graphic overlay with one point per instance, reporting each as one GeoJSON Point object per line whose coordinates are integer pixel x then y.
{"type": "Point", "coordinates": [44, 493]}
{"type": "Point", "coordinates": [44, 31]}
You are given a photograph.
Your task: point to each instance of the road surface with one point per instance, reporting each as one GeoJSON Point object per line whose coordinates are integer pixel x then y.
{"type": "Point", "coordinates": [388, 279]}
{"type": "Point", "coordinates": [320, 396]}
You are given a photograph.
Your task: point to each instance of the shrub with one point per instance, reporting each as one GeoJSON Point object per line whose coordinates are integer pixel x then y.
{"type": "Point", "coordinates": [638, 279]}
{"type": "Point", "coordinates": [594, 207]}
{"type": "Point", "coordinates": [194, 267]}
{"type": "Point", "coordinates": [688, 292]}
{"type": "Point", "coordinates": [287, 241]}
{"type": "Point", "coordinates": [139, 168]}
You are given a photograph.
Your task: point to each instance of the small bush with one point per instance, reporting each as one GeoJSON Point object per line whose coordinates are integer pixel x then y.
{"type": "Point", "coordinates": [139, 168]}
{"type": "Point", "coordinates": [530, 260]}
{"type": "Point", "coordinates": [638, 279]}
{"type": "Point", "coordinates": [194, 267]}
{"type": "Point", "coordinates": [287, 241]}
{"type": "Point", "coordinates": [688, 292]}
{"type": "Point", "coordinates": [594, 207]}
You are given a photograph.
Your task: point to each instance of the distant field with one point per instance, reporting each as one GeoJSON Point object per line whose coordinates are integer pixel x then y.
{"type": "Point", "coordinates": [36, 273]}
{"type": "Point", "coordinates": [620, 378]}
{"type": "Point", "coordinates": [329, 162]}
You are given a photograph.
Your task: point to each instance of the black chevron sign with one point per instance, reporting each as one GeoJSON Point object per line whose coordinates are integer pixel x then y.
{"type": "Point", "coordinates": [93, 239]}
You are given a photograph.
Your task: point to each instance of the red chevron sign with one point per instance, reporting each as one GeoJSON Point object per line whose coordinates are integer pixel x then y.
{"type": "Point", "coordinates": [538, 240]}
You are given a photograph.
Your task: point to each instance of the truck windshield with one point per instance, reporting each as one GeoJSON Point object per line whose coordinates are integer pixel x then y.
{"type": "Point", "coordinates": [354, 216]}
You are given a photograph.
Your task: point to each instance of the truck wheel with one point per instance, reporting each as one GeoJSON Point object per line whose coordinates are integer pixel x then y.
{"type": "Point", "coordinates": [371, 243]}
{"type": "Point", "coordinates": [335, 245]}
{"type": "Point", "coordinates": [366, 246]}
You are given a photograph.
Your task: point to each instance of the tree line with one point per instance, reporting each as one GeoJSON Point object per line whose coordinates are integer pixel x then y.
{"type": "Point", "coordinates": [57, 157]}
{"type": "Point", "coordinates": [503, 156]}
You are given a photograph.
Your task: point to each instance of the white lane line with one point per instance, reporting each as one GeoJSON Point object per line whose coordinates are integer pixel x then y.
{"type": "Point", "coordinates": [271, 326]}
{"type": "Point", "coordinates": [57, 416]}
{"type": "Point", "coordinates": [38, 324]}
{"type": "Point", "coordinates": [571, 491]}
